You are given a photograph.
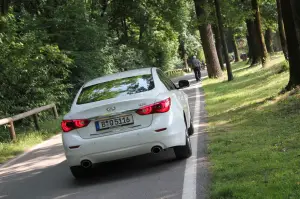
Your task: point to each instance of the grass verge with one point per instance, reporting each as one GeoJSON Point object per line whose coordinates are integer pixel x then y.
{"type": "Point", "coordinates": [26, 138]}
{"type": "Point", "coordinates": [254, 134]}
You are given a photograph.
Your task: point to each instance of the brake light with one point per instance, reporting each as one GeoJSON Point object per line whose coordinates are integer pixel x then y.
{"type": "Point", "coordinates": [158, 107]}
{"type": "Point", "coordinates": [69, 125]}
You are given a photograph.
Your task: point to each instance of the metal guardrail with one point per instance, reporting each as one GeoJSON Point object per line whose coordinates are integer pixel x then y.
{"type": "Point", "coordinates": [33, 112]}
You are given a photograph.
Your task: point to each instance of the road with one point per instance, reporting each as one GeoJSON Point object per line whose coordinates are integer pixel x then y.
{"type": "Point", "coordinates": [43, 172]}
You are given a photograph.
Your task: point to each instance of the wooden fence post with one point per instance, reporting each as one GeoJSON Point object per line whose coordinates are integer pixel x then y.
{"type": "Point", "coordinates": [36, 122]}
{"type": "Point", "coordinates": [55, 112]}
{"type": "Point", "coordinates": [12, 131]}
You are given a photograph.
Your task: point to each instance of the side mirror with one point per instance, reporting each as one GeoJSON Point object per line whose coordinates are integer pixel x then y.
{"type": "Point", "coordinates": [183, 83]}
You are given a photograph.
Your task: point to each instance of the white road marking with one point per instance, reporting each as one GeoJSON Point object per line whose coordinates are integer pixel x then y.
{"type": "Point", "coordinates": [190, 173]}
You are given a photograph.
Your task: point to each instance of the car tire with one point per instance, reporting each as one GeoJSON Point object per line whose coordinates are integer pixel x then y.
{"type": "Point", "coordinates": [191, 130]}
{"type": "Point", "coordinates": [79, 172]}
{"type": "Point", "coordinates": [184, 152]}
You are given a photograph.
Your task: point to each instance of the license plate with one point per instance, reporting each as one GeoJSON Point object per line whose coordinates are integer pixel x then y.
{"type": "Point", "coordinates": [113, 122]}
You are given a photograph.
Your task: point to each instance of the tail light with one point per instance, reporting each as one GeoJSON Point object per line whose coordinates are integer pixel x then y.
{"type": "Point", "coordinates": [158, 107]}
{"type": "Point", "coordinates": [69, 125]}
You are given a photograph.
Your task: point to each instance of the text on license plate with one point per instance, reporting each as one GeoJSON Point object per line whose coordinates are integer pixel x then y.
{"type": "Point", "coordinates": [114, 122]}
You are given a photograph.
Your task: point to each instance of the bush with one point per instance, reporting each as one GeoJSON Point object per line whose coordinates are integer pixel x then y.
{"type": "Point", "coordinates": [284, 67]}
{"type": "Point", "coordinates": [33, 73]}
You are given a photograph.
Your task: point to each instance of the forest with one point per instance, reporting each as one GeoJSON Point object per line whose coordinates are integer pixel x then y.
{"type": "Point", "coordinates": [49, 48]}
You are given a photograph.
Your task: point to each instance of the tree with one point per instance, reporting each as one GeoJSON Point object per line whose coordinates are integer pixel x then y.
{"type": "Point", "coordinates": [206, 34]}
{"type": "Point", "coordinates": [293, 43]}
{"type": "Point", "coordinates": [296, 14]}
{"type": "Point", "coordinates": [223, 40]}
{"type": "Point", "coordinates": [258, 28]}
{"type": "Point", "coordinates": [4, 7]}
{"type": "Point", "coordinates": [253, 40]}
{"type": "Point", "coordinates": [268, 39]}
{"type": "Point", "coordinates": [269, 21]}
{"type": "Point", "coordinates": [281, 30]}
{"type": "Point", "coordinates": [234, 45]}
{"type": "Point", "coordinates": [218, 43]}
{"type": "Point", "coordinates": [183, 53]}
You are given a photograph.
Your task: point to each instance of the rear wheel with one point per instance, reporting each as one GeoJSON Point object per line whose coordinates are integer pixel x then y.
{"type": "Point", "coordinates": [79, 172]}
{"type": "Point", "coordinates": [183, 152]}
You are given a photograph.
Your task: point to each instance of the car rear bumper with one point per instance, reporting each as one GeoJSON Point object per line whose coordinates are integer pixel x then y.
{"type": "Point", "coordinates": [124, 145]}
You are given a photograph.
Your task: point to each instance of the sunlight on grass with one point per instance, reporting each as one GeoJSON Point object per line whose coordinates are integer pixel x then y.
{"type": "Point", "coordinates": [26, 139]}
{"type": "Point", "coordinates": [254, 134]}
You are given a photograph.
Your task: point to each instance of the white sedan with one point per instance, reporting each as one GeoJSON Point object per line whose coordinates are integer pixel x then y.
{"type": "Point", "coordinates": [126, 114]}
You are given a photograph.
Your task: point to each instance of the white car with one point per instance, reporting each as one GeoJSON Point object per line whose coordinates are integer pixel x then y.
{"type": "Point", "coordinates": [126, 114]}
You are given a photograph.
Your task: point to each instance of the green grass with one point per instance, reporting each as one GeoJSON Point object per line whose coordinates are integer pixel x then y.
{"type": "Point", "coordinates": [254, 134]}
{"type": "Point", "coordinates": [26, 138]}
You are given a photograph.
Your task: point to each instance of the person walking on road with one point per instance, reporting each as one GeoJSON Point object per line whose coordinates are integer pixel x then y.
{"type": "Point", "coordinates": [196, 64]}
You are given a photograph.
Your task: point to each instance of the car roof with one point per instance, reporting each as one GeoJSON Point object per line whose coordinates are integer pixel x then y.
{"type": "Point", "coordinates": [120, 75]}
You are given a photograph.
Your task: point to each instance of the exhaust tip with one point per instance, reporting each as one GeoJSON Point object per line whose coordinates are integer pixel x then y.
{"type": "Point", "coordinates": [86, 164]}
{"type": "Point", "coordinates": [156, 149]}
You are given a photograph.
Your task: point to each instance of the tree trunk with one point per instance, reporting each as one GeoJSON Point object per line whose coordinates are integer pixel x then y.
{"type": "Point", "coordinates": [292, 43]}
{"type": "Point", "coordinates": [296, 12]}
{"type": "Point", "coordinates": [183, 54]}
{"type": "Point", "coordinates": [249, 42]}
{"type": "Point", "coordinates": [281, 30]}
{"type": "Point", "coordinates": [277, 42]}
{"type": "Point", "coordinates": [218, 46]}
{"type": "Point", "coordinates": [257, 22]}
{"type": "Point", "coordinates": [211, 56]}
{"type": "Point", "coordinates": [269, 41]}
{"type": "Point", "coordinates": [235, 48]}
{"type": "Point", "coordinates": [104, 7]}
{"type": "Point", "coordinates": [252, 35]}
{"type": "Point", "coordinates": [4, 6]}
{"type": "Point", "coordinates": [142, 30]}
{"type": "Point", "coordinates": [223, 40]}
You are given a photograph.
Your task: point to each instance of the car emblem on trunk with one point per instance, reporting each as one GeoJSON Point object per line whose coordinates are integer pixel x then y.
{"type": "Point", "coordinates": [111, 109]}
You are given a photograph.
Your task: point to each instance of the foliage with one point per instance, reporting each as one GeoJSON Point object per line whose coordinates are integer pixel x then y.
{"type": "Point", "coordinates": [269, 14]}
{"type": "Point", "coordinates": [32, 72]}
{"type": "Point", "coordinates": [55, 46]}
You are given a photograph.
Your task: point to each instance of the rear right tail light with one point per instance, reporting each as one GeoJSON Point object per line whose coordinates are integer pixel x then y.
{"type": "Point", "coordinates": [158, 107]}
{"type": "Point", "coordinates": [69, 125]}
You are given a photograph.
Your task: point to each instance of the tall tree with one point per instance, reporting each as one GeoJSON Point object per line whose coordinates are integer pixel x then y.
{"type": "Point", "coordinates": [296, 14]}
{"type": "Point", "coordinates": [249, 44]}
{"type": "Point", "coordinates": [269, 41]}
{"type": "Point", "coordinates": [258, 26]}
{"type": "Point", "coordinates": [223, 40]}
{"type": "Point", "coordinates": [252, 42]}
{"type": "Point", "coordinates": [206, 34]}
{"type": "Point", "coordinates": [4, 6]}
{"type": "Point", "coordinates": [234, 45]}
{"type": "Point", "coordinates": [183, 53]}
{"type": "Point", "coordinates": [281, 30]}
{"type": "Point", "coordinates": [218, 45]}
{"type": "Point", "coordinates": [293, 42]}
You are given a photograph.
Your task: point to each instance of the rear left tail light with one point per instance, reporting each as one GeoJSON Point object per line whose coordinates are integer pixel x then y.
{"type": "Point", "coordinates": [69, 125]}
{"type": "Point", "coordinates": [158, 107]}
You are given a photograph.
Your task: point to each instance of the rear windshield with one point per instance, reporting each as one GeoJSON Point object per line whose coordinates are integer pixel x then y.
{"type": "Point", "coordinates": [116, 88]}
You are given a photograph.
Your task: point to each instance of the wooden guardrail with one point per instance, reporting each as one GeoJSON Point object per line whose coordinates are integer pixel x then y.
{"type": "Point", "coordinates": [33, 112]}
{"type": "Point", "coordinates": [175, 71]}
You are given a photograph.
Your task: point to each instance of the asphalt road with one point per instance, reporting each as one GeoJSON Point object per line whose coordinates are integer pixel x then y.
{"type": "Point", "coordinates": [43, 172]}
